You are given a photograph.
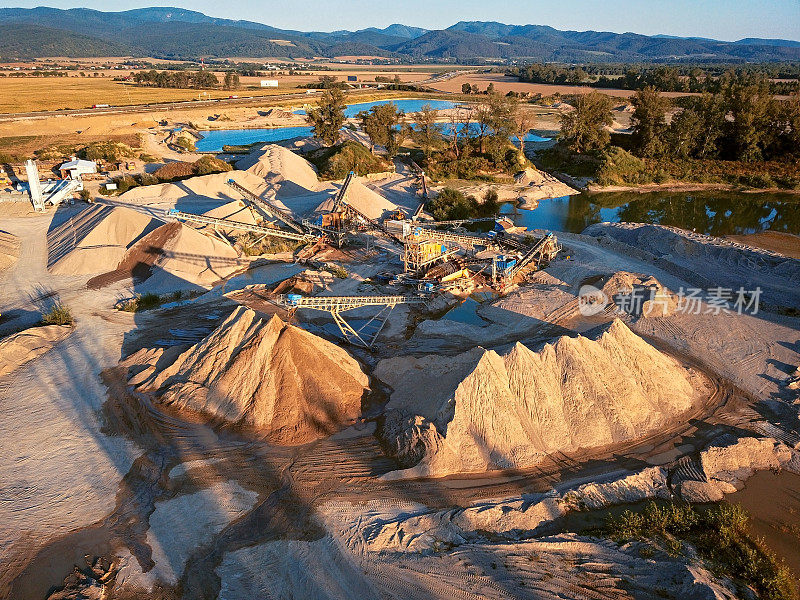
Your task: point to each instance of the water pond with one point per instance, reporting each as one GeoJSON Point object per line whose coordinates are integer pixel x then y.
{"type": "Point", "coordinates": [714, 213]}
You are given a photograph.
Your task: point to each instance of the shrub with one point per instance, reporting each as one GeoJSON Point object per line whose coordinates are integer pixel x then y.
{"type": "Point", "coordinates": [58, 315]}
{"type": "Point", "coordinates": [110, 151]}
{"type": "Point", "coordinates": [186, 144]}
{"type": "Point", "coordinates": [206, 165]}
{"type": "Point", "coordinates": [721, 537]}
{"type": "Point", "coordinates": [148, 158]}
{"type": "Point", "coordinates": [619, 167]}
{"type": "Point", "coordinates": [174, 170]}
{"type": "Point", "coordinates": [337, 161]}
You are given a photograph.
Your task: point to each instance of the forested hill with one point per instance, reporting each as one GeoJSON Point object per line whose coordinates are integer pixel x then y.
{"type": "Point", "coordinates": [179, 33]}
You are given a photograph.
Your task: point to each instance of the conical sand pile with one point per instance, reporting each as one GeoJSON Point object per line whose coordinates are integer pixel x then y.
{"type": "Point", "coordinates": [482, 410]}
{"type": "Point", "coordinates": [95, 240]}
{"type": "Point", "coordinates": [293, 385]}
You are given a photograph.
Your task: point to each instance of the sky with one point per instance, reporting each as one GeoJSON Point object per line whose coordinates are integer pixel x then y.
{"type": "Point", "coordinates": [719, 19]}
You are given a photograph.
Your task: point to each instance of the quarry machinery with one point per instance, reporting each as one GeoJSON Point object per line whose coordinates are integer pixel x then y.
{"type": "Point", "coordinates": [53, 193]}
{"type": "Point", "coordinates": [218, 223]}
{"type": "Point", "coordinates": [267, 208]}
{"type": "Point", "coordinates": [506, 268]}
{"type": "Point", "coordinates": [367, 333]}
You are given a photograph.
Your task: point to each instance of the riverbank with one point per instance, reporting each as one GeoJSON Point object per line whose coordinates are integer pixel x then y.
{"type": "Point", "coordinates": [687, 187]}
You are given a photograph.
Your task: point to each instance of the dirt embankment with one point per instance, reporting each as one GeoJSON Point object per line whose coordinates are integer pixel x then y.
{"type": "Point", "coordinates": [292, 385]}
{"type": "Point", "coordinates": [482, 410]}
{"type": "Point", "coordinates": [706, 261]}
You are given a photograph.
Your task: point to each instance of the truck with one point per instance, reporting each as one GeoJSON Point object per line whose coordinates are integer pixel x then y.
{"type": "Point", "coordinates": [101, 106]}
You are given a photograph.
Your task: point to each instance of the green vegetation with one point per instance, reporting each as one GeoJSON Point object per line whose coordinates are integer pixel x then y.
{"type": "Point", "coordinates": [253, 244]}
{"type": "Point", "coordinates": [173, 171]}
{"type": "Point", "coordinates": [109, 151]}
{"type": "Point", "coordinates": [337, 161]}
{"type": "Point", "coordinates": [452, 204]}
{"type": "Point", "coordinates": [584, 129]}
{"type": "Point", "coordinates": [328, 117]}
{"type": "Point", "coordinates": [337, 271]}
{"type": "Point", "coordinates": [719, 533]}
{"type": "Point", "coordinates": [479, 146]}
{"type": "Point", "coordinates": [664, 78]}
{"type": "Point", "coordinates": [740, 136]}
{"type": "Point", "coordinates": [150, 300]}
{"type": "Point", "coordinates": [198, 80]}
{"type": "Point", "coordinates": [185, 143]}
{"type": "Point", "coordinates": [57, 315]}
{"type": "Point", "coordinates": [380, 124]}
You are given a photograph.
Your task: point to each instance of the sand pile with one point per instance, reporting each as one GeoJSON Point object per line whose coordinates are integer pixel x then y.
{"type": "Point", "coordinates": [9, 250]}
{"type": "Point", "coordinates": [707, 261]}
{"type": "Point", "coordinates": [538, 185]}
{"type": "Point", "coordinates": [95, 240]}
{"type": "Point", "coordinates": [363, 199]}
{"type": "Point", "coordinates": [174, 256]}
{"type": "Point", "coordinates": [202, 187]}
{"type": "Point", "coordinates": [20, 348]}
{"type": "Point", "coordinates": [635, 294]}
{"type": "Point", "coordinates": [291, 173]}
{"type": "Point", "coordinates": [482, 410]}
{"type": "Point", "coordinates": [233, 211]}
{"type": "Point", "coordinates": [293, 385]}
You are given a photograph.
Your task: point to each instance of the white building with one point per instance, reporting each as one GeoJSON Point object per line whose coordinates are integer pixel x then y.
{"type": "Point", "coordinates": [77, 167]}
{"type": "Point", "coordinates": [269, 83]}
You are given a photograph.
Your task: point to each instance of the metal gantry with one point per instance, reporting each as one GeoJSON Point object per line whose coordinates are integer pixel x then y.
{"type": "Point", "coordinates": [336, 305]}
{"type": "Point", "coordinates": [230, 224]}
{"type": "Point", "coordinates": [267, 208]}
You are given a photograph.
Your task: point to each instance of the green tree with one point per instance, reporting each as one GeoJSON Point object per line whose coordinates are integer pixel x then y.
{"type": "Point", "coordinates": [231, 81]}
{"type": "Point", "coordinates": [465, 88]}
{"type": "Point", "coordinates": [328, 117]}
{"type": "Point", "coordinates": [379, 123]}
{"type": "Point", "coordinates": [751, 106]}
{"type": "Point", "coordinates": [649, 121]}
{"type": "Point", "coordinates": [684, 134]}
{"type": "Point", "coordinates": [427, 133]}
{"type": "Point", "coordinates": [584, 129]}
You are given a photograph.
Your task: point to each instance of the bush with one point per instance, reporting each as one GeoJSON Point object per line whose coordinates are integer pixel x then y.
{"type": "Point", "coordinates": [57, 315]}
{"type": "Point", "coordinates": [85, 195]}
{"type": "Point", "coordinates": [109, 151]}
{"type": "Point", "coordinates": [174, 170]}
{"type": "Point", "coordinates": [721, 537]}
{"type": "Point", "coordinates": [148, 158]}
{"type": "Point", "coordinates": [186, 144]}
{"type": "Point", "coordinates": [206, 165]}
{"type": "Point", "coordinates": [620, 167]}
{"type": "Point", "coordinates": [140, 302]}
{"type": "Point", "coordinates": [337, 161]}
{"type": "Point", "coordinates": [451, 204]}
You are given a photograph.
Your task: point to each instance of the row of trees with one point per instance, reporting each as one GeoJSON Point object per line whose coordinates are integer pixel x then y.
{"type": "Point", "coordinates": [492, 122]}
{"type": "Point", "coordinates": [663, 78]}
{"type": "Point", "coordinates": [465, 141]}
{"type": "Point", "coordinates": [742, 122]}
{"type": "Point", "coordinates": [198, 80]}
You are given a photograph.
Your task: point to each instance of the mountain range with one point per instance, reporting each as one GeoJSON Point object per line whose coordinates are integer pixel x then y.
{"type": "Point", "coordinates": [175, 33]}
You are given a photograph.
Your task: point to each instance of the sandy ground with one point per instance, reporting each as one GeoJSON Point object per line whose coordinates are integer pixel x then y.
{"type": "Point", "coordinates": [224, 514]}
{"type": "Point", "coordinates": [775, 241]}
{"type": "Point", "coordinates": [59, 471]}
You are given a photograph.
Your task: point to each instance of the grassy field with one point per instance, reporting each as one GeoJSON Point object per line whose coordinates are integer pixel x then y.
{"type": "Point", "coordinates": [28, 94]}
{"type": "Point", "coordinates": [52, 93]}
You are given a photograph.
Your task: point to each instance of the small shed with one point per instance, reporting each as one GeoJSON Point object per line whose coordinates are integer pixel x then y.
{"type": "Point", "coordinates": [77, 167]}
